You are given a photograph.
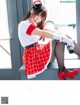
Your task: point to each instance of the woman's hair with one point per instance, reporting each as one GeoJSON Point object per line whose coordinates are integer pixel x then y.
{"type": "Point", "coordinates": [37, 9]}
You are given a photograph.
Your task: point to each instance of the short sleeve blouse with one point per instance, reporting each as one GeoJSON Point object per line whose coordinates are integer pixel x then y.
{"type": "Point", "coordinates": [25, 35]}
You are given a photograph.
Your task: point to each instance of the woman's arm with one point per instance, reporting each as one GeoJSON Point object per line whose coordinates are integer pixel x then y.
{"type": "Point", "coordinates": [43, 33]}
{"type": "Point", "coordinates": [50, 30]}
{"type": "Point", "coordinates": [53, 36]}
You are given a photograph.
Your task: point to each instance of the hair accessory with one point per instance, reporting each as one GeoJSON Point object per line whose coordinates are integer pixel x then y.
{"type": "Point", "coordinates": [37, 4]}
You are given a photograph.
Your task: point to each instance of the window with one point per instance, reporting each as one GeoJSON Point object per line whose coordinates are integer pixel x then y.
{"type": "Point", "coordinates": [5, 56]}
{"type": "Point", "coordinates": [63, 14]}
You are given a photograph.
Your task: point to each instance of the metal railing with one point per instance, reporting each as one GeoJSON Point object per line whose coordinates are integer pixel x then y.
{"type": "Point", "coordinates": [1, 46]}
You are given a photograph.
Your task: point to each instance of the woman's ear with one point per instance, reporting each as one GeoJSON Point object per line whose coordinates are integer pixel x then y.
{"type": "Point", "coordinates": [31, 11]}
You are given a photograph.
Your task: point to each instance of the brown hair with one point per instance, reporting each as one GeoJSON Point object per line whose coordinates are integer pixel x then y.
{"type": "Point", "coordinates": [37, 9]}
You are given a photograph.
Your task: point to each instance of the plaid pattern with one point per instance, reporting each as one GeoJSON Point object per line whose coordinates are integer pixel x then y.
{"type": "Point", "coordinates": [35, 58]}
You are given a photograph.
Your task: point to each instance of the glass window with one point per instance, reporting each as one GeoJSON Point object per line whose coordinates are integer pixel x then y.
{"type": "Point", "coordinates": [5, 57]}
{"type": "Point", "coordinates": [63, 14]}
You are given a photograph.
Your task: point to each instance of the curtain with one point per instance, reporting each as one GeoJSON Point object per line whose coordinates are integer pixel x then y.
{"type": "Point", "coordinates": [23, 7]}
{"type": "Point", "coordinates": [26, 6]}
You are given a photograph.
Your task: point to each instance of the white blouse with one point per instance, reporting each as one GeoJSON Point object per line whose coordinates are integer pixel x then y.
{"type": "Point", "coordinates": [25, 29]}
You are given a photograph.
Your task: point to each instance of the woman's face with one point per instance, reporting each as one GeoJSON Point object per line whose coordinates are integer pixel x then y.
{"type": "Point", "coordinates": [36, 19]}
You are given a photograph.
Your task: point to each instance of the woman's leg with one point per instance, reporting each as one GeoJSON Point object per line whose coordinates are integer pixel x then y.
{"type": "Point", "coordinates": [59, 51]}
{"type": "Point", "coordinates": [53, 56]}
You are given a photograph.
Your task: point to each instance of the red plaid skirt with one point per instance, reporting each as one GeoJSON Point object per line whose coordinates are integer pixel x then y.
{"type": "Point", "coordinates": [36, 58]}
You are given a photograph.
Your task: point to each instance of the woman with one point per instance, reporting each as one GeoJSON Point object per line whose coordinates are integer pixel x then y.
{"type": "Point", "coordinates": [39, 53]}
